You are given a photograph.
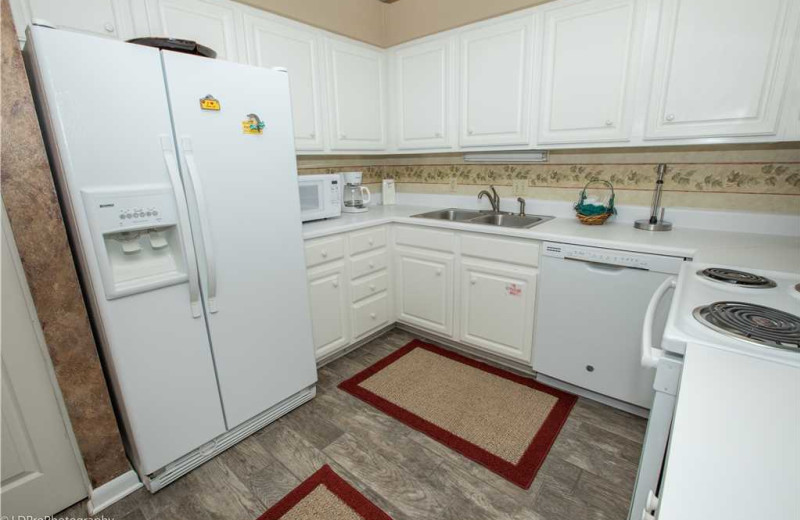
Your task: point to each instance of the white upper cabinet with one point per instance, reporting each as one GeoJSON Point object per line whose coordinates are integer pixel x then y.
{"type": "Point", "coordinates": [273, 43]}
{"type": "Point", "coordinates": [496, 82]}
{"type": "Point", "coordinates": [590, 66]}
{"type": "Point", "coordinates": [424, 94]}
{"type": "Point", "coordinates": [720, 68]}
{"type": "Point", "coordinates": [356, 96]}
{"type": "Point", "coordinates": [214, 23]}
{"type": "Point", "coordinates": [111, 18]}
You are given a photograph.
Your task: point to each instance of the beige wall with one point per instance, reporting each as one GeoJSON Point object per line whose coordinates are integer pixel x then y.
{"type": "Point", "coordinates": [409, 19]}
{"type": "Point", "coordinates": [384, 25]}
{"type": "Point", "coordinates": [358, 19]}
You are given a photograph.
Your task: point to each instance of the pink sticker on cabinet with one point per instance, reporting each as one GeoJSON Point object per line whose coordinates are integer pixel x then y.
{"type": "Point", "coordinates": [513, 289]}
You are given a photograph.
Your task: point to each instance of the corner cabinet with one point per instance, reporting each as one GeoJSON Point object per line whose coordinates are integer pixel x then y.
{"type": "Point", "coordinates": [356, 95]}
{"type": "Point", "coordinates": [215, 24]}
{"type": "Point", "coordinates": [720, 70]}
{"type": "Point", "coordinates": [590, 65]}
{"type": "Point", "coordinates": [424, 94]}
{"type": "Point", "coordinates": [273, 42]}
{"type": "Point", "coordinates": [495, 82]}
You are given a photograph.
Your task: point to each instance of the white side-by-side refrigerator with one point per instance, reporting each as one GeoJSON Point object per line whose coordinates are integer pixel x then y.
{"type": "Point", "coordinates": [178, 179]}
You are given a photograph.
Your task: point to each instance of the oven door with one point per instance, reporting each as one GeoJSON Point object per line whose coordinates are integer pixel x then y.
{"type": "Point", "coordinates": [313, 203]}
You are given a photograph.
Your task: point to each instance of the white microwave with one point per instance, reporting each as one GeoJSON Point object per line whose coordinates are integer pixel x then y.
{"type": "Point", "coordinates": [320, 196]}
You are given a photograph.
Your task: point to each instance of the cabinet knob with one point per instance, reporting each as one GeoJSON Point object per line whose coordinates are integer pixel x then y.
{"type": "Point", "coordinates": [109, 27]}
{"type": "Point", "coordinates": [372, 265]}
{"type": "Point", "coordinates": [473, 281]}
{"type": "Point", "coordinates": [324, 253]}
{"type": "Point", "coordinates": [312, 135]}
{"type": "Point", "coordinates": [609, 122]}
{"type": "Point", "coordinates": [670, 117]}
{"type": "Point", "coordinates": [342, 136]}
{"type": "Point", "coordinates": [470, 131]}
{"type": "Point", "coordinates": [336, 283]}
{"type": "Point", "coordinates": [438, 272]}
{"type": "Point", "coordinates": [372, 287]}
{"type": "Point", "coordinates": [438, 134]}
{"type": "Point", "coordinates": [371, 241]}
{"type": "Point", "coordinates": [373, 315]}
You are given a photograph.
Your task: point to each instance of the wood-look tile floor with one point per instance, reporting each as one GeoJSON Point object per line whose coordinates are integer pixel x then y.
{"type": "Point", "coordinates": [589, 473]}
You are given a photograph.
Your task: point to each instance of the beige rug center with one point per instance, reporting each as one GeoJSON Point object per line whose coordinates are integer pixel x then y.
{"type": "Point", "coordinates": [321, 504]}
{"type": "Point", "coordinates": [499, 415]}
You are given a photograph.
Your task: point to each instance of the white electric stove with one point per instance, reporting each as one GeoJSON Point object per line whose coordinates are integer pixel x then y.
{"type": "Point", "coordinates": [754, 312]}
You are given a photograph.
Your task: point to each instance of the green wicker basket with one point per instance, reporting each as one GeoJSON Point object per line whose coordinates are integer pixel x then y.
{"type": "Point", "coordinates": [594, 214]}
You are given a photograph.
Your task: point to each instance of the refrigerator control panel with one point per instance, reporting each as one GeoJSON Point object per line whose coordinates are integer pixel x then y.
{"type": "Point", "coordinates": [133, 208]}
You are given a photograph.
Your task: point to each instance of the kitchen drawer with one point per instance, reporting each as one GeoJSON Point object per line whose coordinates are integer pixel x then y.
{"type": "Point", "coordinates": [369, 286]}
{"type": "Point", "coordinates": [425, 238]}
{"type": "Point", "coordinates": [507, 250]}
{"type": "Point", "coordinates": [367, 240]}
{"type": "Point", "coordinates": [324, 250]}
{"type": "Point", "coordinates": [371, 314]}
{"type": "Point", "coordinates": [369, 263]}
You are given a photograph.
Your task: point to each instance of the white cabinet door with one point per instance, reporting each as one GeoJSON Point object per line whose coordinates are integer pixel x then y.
{"type": "Point", "coordinates": [496, 83]}
{"type": "Point", "coordinates": [329, 309]}
{"type": "Point", "coordinates": [356, 96]}
{"type": "Point", "coordinates": [112, 18]}
{"type": "Point", "coordinates": [424, 86]}
{"type": "Point", "coordinates": [271, 43]}
{"type": "Point", "coordinates": [213, 23]}
{"type": "Point", "coordinates": [590, 66]}
{"type": "Point", "coordinates": [720, 68]}
{"type": "Point", "coordinates": [497, 308]}
{"type": "Point", "coordinates": [425, 290]}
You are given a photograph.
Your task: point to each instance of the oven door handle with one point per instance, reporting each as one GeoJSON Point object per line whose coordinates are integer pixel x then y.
{"type": "Point", "coordinates": [651, 354]}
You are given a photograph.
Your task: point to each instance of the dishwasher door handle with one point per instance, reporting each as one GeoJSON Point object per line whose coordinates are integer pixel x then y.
{"type": "Point", "coordinates": [603, 266]}
{"type": "Point", "coordinates": [650, 354]}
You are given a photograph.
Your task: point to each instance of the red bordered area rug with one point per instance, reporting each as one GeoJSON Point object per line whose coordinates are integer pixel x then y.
{"type": "Point", "coordinates": [501, 420]}
{"type": "Point", "coordinates": [324, 496]}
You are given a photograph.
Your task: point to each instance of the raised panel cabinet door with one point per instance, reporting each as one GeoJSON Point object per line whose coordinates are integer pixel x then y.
{"type": "Point", "coordinates": [497, 309]}
{"type": "Point", "coordinates": [329, 320]}
{"type": "Point", "coordinates": [496, 83]}
{"type": "Point", "coordinates": [111, 18]}
{"type": "Point", "coordinates": [425, 290]}
{"type": "Point", "coordinates": [356, 100]}
{"type": "Point", "coordinates": [215, 24]}
{"type": "Point", "coordinates": [424, 84]}
{"type": "Point", "coordinates": [590, 66]}
{"type": "Point", "coordinates": [720, 68]}
{"type": "Point", "coordinates": [272, 44]}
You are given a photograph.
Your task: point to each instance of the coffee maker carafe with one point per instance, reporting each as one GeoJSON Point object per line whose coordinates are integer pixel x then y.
{"type": "Point", "coordinates": [355, 197]}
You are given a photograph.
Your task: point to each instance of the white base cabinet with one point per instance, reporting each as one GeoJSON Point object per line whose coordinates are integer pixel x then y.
{"type": "Point", "coordinates": [329, 303]}
{"type": "Point", "coordinates": [497, 308]}
{"type": "Point", "coordinates": [425, 289]}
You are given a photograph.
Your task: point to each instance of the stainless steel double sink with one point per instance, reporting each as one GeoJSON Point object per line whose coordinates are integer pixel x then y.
{"type": "Point", "coordinates": [489, 218]}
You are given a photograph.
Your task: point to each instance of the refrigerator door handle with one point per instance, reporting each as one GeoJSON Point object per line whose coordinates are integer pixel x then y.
{"type": "Point", "coordinates": [183, 217]}
{"type": "Point", "coordinates": [205, 227]}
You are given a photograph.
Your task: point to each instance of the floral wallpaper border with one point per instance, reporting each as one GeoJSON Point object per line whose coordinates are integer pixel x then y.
{"type": "Point", "coordinates": [755, 178]}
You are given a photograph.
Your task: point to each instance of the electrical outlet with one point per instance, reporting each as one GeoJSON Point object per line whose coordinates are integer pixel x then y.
{"type": "Point", "coordinates": [519, 187]}
{"type": "Point", "coordinates": [453, 183]}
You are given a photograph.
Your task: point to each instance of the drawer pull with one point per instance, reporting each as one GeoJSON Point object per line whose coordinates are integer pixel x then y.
{"type": "Point", "coordinates": [372, 265]}
{"type": "Point", "coordinates": [324, 253]}
{"type": "Point", "coordinates": [336, 283]}
{"type": "Point", "coordinates": [473, 281]}
{"type": "Point", "coordinates": [372, 287]}
{"type": "Point", "coordinates": [438, 272]}
{"type": "Point", "coordinates": [373, 315]}
{"type": "Point", "coordinates": [371, 241]}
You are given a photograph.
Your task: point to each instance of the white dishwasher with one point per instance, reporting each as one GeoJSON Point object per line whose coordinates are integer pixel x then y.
{"type": "Point", "coordinates": [590, 310]}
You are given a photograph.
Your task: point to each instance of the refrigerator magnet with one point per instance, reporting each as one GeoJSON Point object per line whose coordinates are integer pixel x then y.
{"type": "Point", "coordinates": [253, 125]}
{"type": "Point", "coordinates": [209, 102]}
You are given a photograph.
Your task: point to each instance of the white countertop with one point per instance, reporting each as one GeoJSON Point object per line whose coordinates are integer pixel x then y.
{"type": "Point", "coordinates": [757, 251]}
{"type": "Point", "coordinates": [734, 451]}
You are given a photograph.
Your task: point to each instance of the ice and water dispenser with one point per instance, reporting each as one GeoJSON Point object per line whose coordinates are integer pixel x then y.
{"type": "Point", "coordinates": [136, 238]}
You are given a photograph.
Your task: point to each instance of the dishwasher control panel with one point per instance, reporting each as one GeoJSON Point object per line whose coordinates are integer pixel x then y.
{"type": "Point", "coordinates": [616, 257]}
